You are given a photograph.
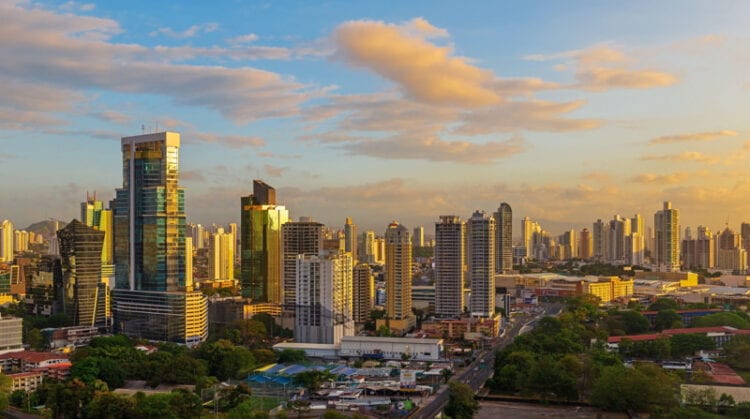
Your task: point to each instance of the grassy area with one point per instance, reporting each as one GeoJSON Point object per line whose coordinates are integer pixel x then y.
{"type": "Point", "coordinates": [264, 402]}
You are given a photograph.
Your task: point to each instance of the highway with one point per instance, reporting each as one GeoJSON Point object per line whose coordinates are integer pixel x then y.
{"type": "Point", "coordinates": [480, 370]}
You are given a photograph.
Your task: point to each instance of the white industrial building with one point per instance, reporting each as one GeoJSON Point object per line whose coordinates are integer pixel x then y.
{"type": "Point", "coordinates": [373, 347]}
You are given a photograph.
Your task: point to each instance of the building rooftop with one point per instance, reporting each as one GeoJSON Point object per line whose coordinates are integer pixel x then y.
{"type": "Point", "coordinates": [390, 339]}
{"type": "Point", "coordinates": [35, 357]}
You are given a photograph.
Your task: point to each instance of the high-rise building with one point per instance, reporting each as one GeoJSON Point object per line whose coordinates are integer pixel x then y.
{"type": "Point", "coordinates": [616, 240]}
{"type": "Point", "coordinates": [568, 245]}
{"type": "Point", "coordinates": [350, 238]}
{"type": "Point", "coordinates": [598, 240]}
{"type": "Point", "coordinates": [221, 256]}
{"type": "Point", "coordinates": [84, 295]}
{"type": "Point", "coordinates": [699, 252]}
{"type": "Point", "coordinates": [585, 244]}
{"type": "Point", "coordinates": [189, 279]}
{"type": "Point", "coordinates": [398, 247]}
{"type": "Point", "coordinates": [94, 215]}
{"type": "Point", "coordinates": [260, 231]}
{"type": "Point", "coordinates": [480, 259]}
{"type": "Point", "coordinates": [450, 254]}
{"type": "Point", "coordinates": [20, 241]}
{"type": "Point", "coordinates": [303, 237]}
{"type": "Point", "coordinates": [367, 248]}
{"type": "Point", "coordinates": [151, 299]}
{"type": "Point", "coordinates": [234, 232]}
{"type": "Point", "coordinates": [745, 234]}
{"type": "Point", "coordinates": [667, 239]}
{"type": "Point", "coordinates": [7, 234]}
{"type": "Point", "coordinates": [380, 250]}
{"type": "Point", "coordinates": [364, 293]}
{"type": "Point", "coordinates": [324, 298]}
{"type": "Point", "coordinates": [730, 254]}
{"type": "Point", "coordinates": [636, 242]}
{"type": "Point", "coordinates": [503, 238]}
{"type": "Point", "coordinates": [418, 237]}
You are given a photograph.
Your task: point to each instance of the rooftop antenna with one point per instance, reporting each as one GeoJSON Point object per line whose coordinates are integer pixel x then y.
{"type": "Point", "coordinates": [143, 128]}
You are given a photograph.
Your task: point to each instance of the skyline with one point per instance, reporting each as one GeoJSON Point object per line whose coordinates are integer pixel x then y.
{"type": "Point", "coordinates": [569, 113]}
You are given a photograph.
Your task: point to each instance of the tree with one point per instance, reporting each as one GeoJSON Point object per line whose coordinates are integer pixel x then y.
{"type": "Point", "coordinates": [446, 374]}
{"type": "Point", "coordinates": [264, 356]}
{"type": "Point", "coordinates": [667, 319]}
{"type": "Point", "coordinates": [312, 379]}
{"type": "Point", "coordinates": [663, 304]}
{"type": "Point", "coordinates": [287, 356]}
{"type": "Point", "coordinates": [644, 388]}
{"type": "Point", "coordinates": [225, 360]}
{"type": "Point", "coordinates": [384, 331]}
{"type": "Point", "coordinates": [689, 344]}
{"type": "Point", "coordinates": [36, 340]}
{"type": "Point", "coordinates": [737, 352]}
{"type": "Point", "coordinates": [111, 406]}
{"type": "Point", "coordinates": [461, 402]}
{"type": "Point", "coordinates": [725, 318]}
{"type": "Point", "coordinates": [634, 322]}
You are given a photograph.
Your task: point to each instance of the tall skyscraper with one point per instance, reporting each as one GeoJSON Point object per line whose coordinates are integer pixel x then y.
{"type": "Point", "coordinates": [367, 250]}
{"type": "Point", "coordinates": [598, 240]}
{"type": "Point", "coordinates": [221, 256]}
{"type": "Point", "coordinates": [699, 251]}
{"type": "Point", "coordinates": [585, 244]}
{"type": "Point", "coordinates": [84, 296]}
{"type": "Point", "coordinates": [568, 245]}
{"type": "Point", "coordinates": [730, 254]}
{"type": "Point", "coordinates": [450, 254]}
{"type": "Point", "coordinates": [364, 293]}
{"type": "Point", "coordinates": [480, 259]}
{"type": "Point", "coordinates": [616, 240]}
{"type": "Point", "coordinates": [399, 317]}
{"type": "Point", "coordinates": [745, 234]}
{"type": "Point", "coordinates": [667, 239]}
{"type": "Point", "coordinates": [350, 238]}
{"type": "Point", "coordinates": [418, 237]}
{"type": "Point", "coordinates": [324, 298]}
{"type": "Point", "coordinates": [303, 237]}
{"type": "Point", "coordinates": [151, 299]}
{"type": "Point", "coordinates": [503, 239]}
{"type": "Point", "coordinates": [7, 234]}
{"type": "Point", "coordinates": [189, 279]}
{"type": "Point", "coordinates": [94, 215]}
{"type": "Point", "coordinates": [636, 242]}
{"type": "Point", "coordinates": [260, 231]}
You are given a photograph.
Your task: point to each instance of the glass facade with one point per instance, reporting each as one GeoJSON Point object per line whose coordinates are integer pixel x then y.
{"type": "Point", "coordinates": [163, 316]}
{"type": "Point", "coordinates": [83, 294]}
{"type": "Point", "coordinates": [261, 250]}
{"type": "Point", "coordinates": [149, 210]}
{"type": "Point", "coordinates": [151, 299]}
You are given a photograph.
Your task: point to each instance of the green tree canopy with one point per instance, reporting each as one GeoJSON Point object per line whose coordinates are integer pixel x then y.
{"type": "Point", "coordinates": [461, 402]}
{"type": "Point", "coordinates": [724, 318]}
{"type": "Point", "coordinates": [667, 319]}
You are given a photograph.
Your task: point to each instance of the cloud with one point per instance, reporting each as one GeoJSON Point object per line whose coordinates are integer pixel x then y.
{"type": "Point", "coordinates": [274, 171]}
{"type": "Point", "coordinates": [434, 149]}
{"type": "Point", "coordinates": [113, 117]}
{"type": "Point", "coordinates": [74, 53]}
{"type": "Point", "coordinates": [597, 176]}
{"type": "Point", "coordinates": [187, 33]}
{"type": "Point", "coordinates": [425, 71]}
{"type": "Point", "coordinates": [603, 67]}
{"type": "Point", "coordinates": [72, 6]}
{"type": "Point", "coordinates": [699, 136]}
{"type": "Point", "coordinates": [192, 176]}
{"type": "Point", "coordinates": [7, 156]}
{"type": "Point", "coordinates": [686, 156]}
{"type": "Point", "coordinates": [231, 141]}
{"type": "Point", "coordinates": [532, 115]}
{"type": "Point", "coordinates": [670, 178]}
{"type": "Point", "coordinates": [243, 39]}
{"type": "Point", "coordinates": [601, 78]}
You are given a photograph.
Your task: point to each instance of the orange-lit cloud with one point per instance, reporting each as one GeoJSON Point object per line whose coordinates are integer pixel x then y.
{"type": "Point", "coordinates": [695, 156]}
{"type": "Point", "coordinates": [665, 179]}
{"type": "Point", "coordinates": [425, 71]}
{"type": "Point", "coordinates": [603, 67]}
{"type": "Point", "coordinates": [699, 136]}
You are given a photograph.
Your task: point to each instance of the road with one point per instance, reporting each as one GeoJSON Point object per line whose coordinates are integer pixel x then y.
{"type": "Point", "coordinates": [480, 370]}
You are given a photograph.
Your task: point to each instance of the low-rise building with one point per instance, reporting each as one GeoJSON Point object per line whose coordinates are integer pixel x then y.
{"type": "Point", "coordinates": [26, 381]}
{"type": "Point", "coordinates": [459, 328]}
{"type": "Point", "coordinates": [608, 288]}
{"type": "Point", "coordinates": [391, 348]}
{"type": "Point", "coordinates": [685, 279]}
{"type": "Point", "coordinates": [25, 361]}
{"type": "Point", "coordinates": [719, 334]}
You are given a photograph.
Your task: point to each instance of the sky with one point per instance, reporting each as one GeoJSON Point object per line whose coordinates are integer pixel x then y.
{"type": "Point", "coordinates": [568, 111]}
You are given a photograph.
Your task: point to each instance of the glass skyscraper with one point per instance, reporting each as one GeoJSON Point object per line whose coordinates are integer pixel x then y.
{"type": "Point", "coordinates": [260, 235]}
{"type": "Point", "coordinates": [84, 296]}
{"type": "Point", "coordinates": [151, 297]}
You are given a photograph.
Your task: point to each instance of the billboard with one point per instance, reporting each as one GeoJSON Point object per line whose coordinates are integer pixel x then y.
{"type": "Point", "coordinates": [408, 379]}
